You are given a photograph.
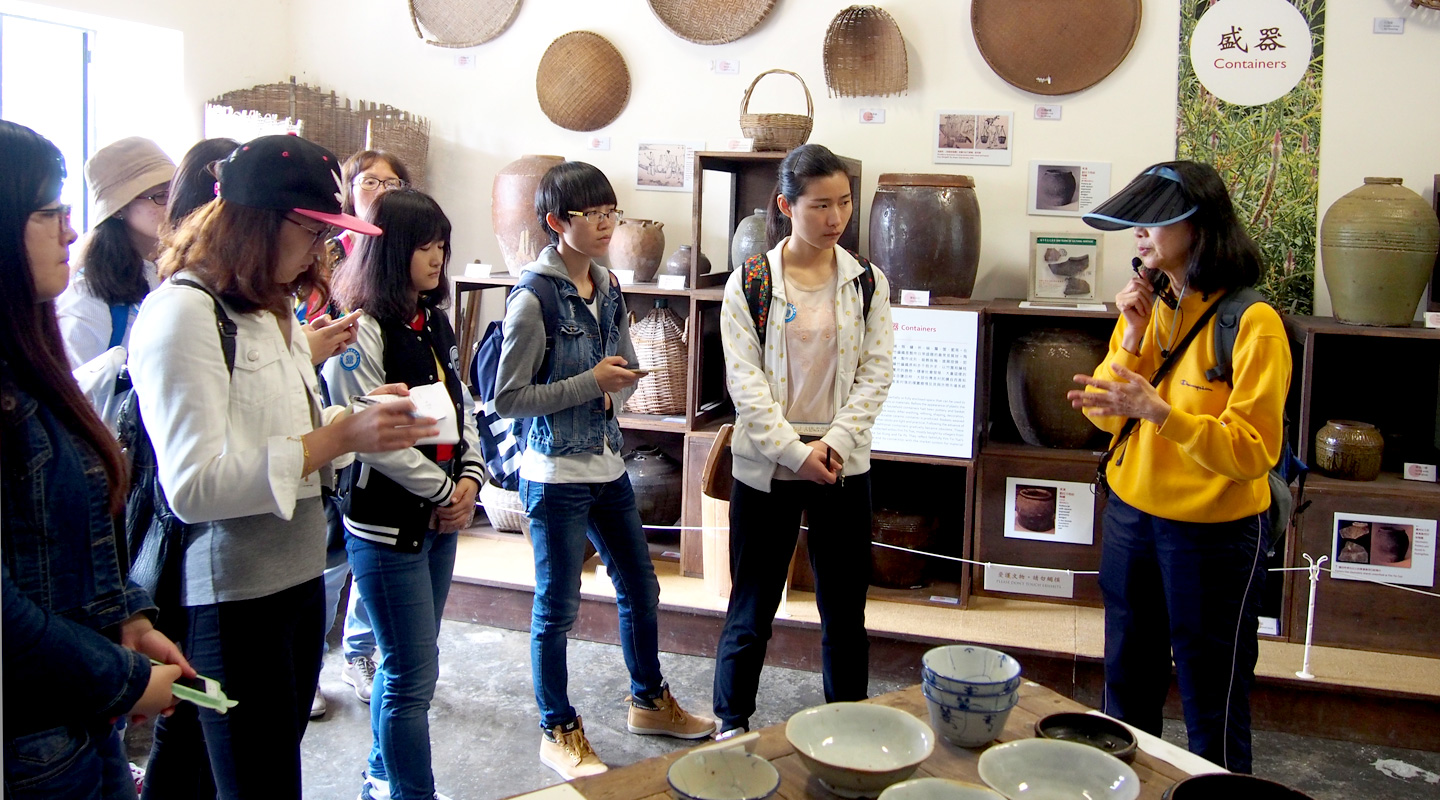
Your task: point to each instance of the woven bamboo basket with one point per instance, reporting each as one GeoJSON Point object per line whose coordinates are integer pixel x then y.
{"type": "Point", "coordinates": [865, 54]}
{"type": "Point", "coordinates": [659, 341]}
{"type": "Point", "coordinates": [461, 23]}
{"type": "Point", "coordinates": [783, 132]}
{"type": "Point", "coordinates": [582, 82]}
{"type": "Point", "coordinates": [711, 21]}
{"type": "Point", "coordinates": [504, 509]}
{"type": "Point", "coordinates": [1054, 47]}
{"type": "Point", "coordinates": [400, 133]}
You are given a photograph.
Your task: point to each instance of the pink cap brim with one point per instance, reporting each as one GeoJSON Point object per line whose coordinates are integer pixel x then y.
{"type": "Point", "coordinates": [345, 221]}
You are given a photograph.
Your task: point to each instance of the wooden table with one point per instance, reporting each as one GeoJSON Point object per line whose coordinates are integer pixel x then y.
{"type": "Point", "coordinates": [645, 780]}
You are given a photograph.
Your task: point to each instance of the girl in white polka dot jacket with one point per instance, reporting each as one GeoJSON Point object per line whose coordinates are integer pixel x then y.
{"type": "Point", "coordinates": [808, 371]}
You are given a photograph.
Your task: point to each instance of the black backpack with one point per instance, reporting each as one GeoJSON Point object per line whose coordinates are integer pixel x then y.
{"type": "Point", "coordinates": [154, 536]}
{"type": "Point", "coordinates": [758, 289]}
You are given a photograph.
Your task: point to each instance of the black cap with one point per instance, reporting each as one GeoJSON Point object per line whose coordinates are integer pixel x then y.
{"type": "Point", "coordinates": [1153, 200]}
{"type": "Point", "coordinates": [289, 173]}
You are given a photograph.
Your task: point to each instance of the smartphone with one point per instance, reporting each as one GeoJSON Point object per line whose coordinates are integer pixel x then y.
{"type": "Point", "coordinates": [202, 691]}
{"type": "Point", "coordinates": [1159, 282]}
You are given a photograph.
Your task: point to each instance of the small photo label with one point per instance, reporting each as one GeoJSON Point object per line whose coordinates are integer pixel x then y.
{"type": "Point", "coordinates": [872, 116]}
{"type": "Point", "coordinates": [1419, 472]}
{"type": "Point", "coordinates": [1047, 111]}
{"type": "Point", "coordinates": [598, 143]}
{"type": "Point", "coordinates": [1391, 25]}
{"type": "Point", "coordinates": [725, 66]}
{"type": "Point", "coordinates": [915, 297]}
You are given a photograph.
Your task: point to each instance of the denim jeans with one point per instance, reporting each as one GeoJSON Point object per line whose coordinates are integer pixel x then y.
{"type": "Point", "coordinates": [179, 768]}
{"type": "Point", "coordinates": [265, 652]}
{"type": "Point", "coordinates": [70, 763]}
{"type": "Point", "coordinates": [405, 596]}
{"type": "Point", "coordinates": [1185, 588]}
{"type": "Point", "coordinates": [764, 527]}
{"type": "Point", "coordinates": [359, 637]}
{"type": "Point", "coordinates": [562, 516]}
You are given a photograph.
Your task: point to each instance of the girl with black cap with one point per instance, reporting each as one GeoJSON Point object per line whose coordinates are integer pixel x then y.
{"type": "Point", "coordinates": [1182, 560]}
{"type": "Point", "coordinates": [243, 448]}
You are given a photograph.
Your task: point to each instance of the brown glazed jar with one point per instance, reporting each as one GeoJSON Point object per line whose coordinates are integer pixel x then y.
{"type": "Point", "coordinates": [925, 234]}
{"type": "Point", "coordinates": [512, 210]}
{"type": "Point", "coordinates": [1349, 450]}
{"type": "Point", "coordinates": [1038, 372]}
{"type": "Point", "coordinates": [638, 245]}
{"type": "Point", "coordinates": [893, 568]}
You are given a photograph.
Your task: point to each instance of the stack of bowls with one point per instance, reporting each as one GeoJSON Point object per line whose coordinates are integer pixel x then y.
{"type": "Point", "coordinates": [970, 691]}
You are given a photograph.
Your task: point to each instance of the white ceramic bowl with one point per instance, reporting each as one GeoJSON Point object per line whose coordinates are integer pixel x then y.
{"type": "Point", "coordinates": [1048, 769]}
{"type": "Point", "coordinates": [858, 749]}
{"type": "Point", "coordinates": [966, 702]}
{"type": "Point", "coordinates": [937, 789]}
{"type": "Point", "coordinates": [967, 728]}
{"type": "Point", "coordinates": [723, 775]}
{"type": "Point", "coordinates": [966, 669]}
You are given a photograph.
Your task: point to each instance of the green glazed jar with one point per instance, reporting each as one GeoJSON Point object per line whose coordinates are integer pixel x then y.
{"type": "Point", "coordinates": [1377, 247]}
{"type": "Point", "coordinates": [1349, 450]}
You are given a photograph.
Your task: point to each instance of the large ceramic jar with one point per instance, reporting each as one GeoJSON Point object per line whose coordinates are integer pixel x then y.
{"type": "Point", "coordinates": [512, 210]}
{"type": "Point", "coordinates": [1377, 247]}
{"type": "Point", "coordinates": [925, 234]}
{"type": "Point", "coordinates": [1349, 450]}
{"type": "Point", "coordinates": [1038, 373]}
{"type": "Point", "coordinates": [749, 238]}
{"type": "Point", "coordinates": [638, 245]}
{"type": "Point", "coordinates": [656, 479]}
{"type": "Point", "coordinates": [893, 568]}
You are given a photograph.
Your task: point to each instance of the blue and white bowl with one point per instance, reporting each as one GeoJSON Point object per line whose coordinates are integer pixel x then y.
{"type": "Point", "coordinates": [970, 670]}
{"type": "Point", "coordinates": [966, 702]}
{"type": "Point", "coordinates": [967, 728]}
{"type": "Point", "coordinates": [723, 775]}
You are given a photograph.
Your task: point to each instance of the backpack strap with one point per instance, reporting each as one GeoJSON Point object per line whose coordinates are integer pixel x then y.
{"type": "Point", "coordinates": [548, 294]}
{"type": "Point", "coordinates": [1230, 309]}
{"type": "Point", "coordinates": [223, 323]}
{"type": "Point", "coordinates": [119, 321]}
{"type": "Point", "coordinates": [865, 282]}
{"type": "Point", "coordinates": [758, 289]}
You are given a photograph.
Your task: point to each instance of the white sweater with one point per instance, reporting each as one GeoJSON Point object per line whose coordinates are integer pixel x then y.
{"type": "Point", "coordinates": [757, 382]}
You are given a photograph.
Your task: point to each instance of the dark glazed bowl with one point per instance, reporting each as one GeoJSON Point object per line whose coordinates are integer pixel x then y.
{"type": "Point", "coordinates": [1098, 732]}
{"type": "Point", "coordinates": [1231, 786]}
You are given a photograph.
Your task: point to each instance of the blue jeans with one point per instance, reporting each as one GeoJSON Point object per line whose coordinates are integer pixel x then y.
{"type": "Point", "coordinates": [359, 637]}
{"type": "Point", "coordinates": [1192, 589]}
{"type": "Point", "coordinates": [562, 516]}
{"type": "Point", "coordinates": [69, 763]}
{"type": "Point", "coordinates": [405, 596]}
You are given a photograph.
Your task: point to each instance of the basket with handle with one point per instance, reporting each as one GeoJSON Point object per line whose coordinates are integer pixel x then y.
{"type": "Point", "coordinates": [781, 132]}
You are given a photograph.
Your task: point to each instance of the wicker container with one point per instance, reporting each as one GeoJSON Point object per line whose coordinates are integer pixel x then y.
{"type": "Point", "coordinates": [782, 132]}
{"type": "Point", "coordinates": [582, 82]}
{"type": "Point", "coordinates": [504, 509]}
{"type": "Point", "coordinates": [711, 21]}
{"type": "Point", "coordinates": [865, 54]}
{"type": "Point", "coordinates": [659, 341]}
{"type": "Point", "coordinates": [461, 23]}
{"type": "Point", "coordinates": [1054, 47]}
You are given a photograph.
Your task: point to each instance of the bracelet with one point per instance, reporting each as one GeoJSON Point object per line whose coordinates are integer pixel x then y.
{"type": "Point", "coordinates": [304, 449]}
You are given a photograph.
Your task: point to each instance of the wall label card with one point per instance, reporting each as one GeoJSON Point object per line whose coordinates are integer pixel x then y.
{"type": "Point", "coordinates": [1367, 547]}
{"type": "Point", "coordinates": [914, 297]}
{"type": "Point", "coordinates": [1050, 112]}
{"type": "Point", "coordinates": [872, 116]}
{"type": "Point", "coordinates": [1029, 580]}
{"type": "Point", "coordinates": [931, 407]}
{"type": "Point", "coordinates": [1049, 511]}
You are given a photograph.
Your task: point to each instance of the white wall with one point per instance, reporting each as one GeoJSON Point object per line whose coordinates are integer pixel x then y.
{"type": "Point", "coordinates": [1381, 115]}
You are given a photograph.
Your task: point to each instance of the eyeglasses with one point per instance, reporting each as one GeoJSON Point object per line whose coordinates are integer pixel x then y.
{"type": "Point", "coordinates": [160, 198]}
{"type": "Point", "coordinates": [60, 213]}
{"type": "Point", "coordinates": [597, 217]}
{"type": "Point", "coordinates": [325, 232]}
{"type": "Point", "coordinates": [370, 183]}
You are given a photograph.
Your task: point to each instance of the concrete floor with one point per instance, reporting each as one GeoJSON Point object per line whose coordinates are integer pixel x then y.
{"type": "Point", "coordinates": [485, 736]}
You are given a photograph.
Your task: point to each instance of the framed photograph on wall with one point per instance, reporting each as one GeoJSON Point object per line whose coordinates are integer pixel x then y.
{"type": "Point", "coordinates": [974, 137]}
{"type": "Point", "coordinates": [1067, 188]}
{"type": "Point", "coordinates": [1065, 268]}
{"type": "Point", "coordinates": [666, 166]}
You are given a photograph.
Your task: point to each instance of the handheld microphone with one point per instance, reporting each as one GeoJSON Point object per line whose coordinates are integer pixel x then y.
{"type": "Point", "coordinates": [1159, 283]}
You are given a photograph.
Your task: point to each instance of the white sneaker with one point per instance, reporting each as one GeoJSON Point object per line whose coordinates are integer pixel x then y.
{"type": "Point", "coordinates": [318, 706]}
{"type": "Point", "coordinates": [360, 673]}
{"type": "Point", "coordinates": [376, 789]}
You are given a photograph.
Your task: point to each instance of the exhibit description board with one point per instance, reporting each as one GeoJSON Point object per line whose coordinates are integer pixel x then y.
{"type": "Point", "coordinates": [931, 407]}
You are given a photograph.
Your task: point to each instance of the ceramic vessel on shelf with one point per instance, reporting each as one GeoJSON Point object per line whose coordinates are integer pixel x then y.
{"type": "Point", "coordinates": [1377, 248]}
{"type": "Point", "coordinates": [1350, 450]}
{"type": "Point", "coordinates": [679, 263]}
{"type": "Point", "coordinates": [512, 210]}
{"type": "Point", "coordinates": [749, 238]}
{"type": "Point", "coordinates": [638, 245]}
{"type": "Point", "coordinates": [859, 749]}
{"type": "Point", "coordinates": [656, 479]}
{"type": "Point", "coordinates": [1038, 372]}
{"type": "Point", "coordinates": [893, 568]}
{"type": "Point", "coordinates": [729, 774]}
{"type": "Point", "coordinates": [925, 234]}
{"type": "Point", "coordinates": [1040, 769]}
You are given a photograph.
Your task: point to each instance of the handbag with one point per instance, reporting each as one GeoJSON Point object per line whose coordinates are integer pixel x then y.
{"type": "Point", "coordinates": [717, 479]}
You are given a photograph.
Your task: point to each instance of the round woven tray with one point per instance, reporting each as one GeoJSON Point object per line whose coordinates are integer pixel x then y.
{"type": "Point", "coordinates": [1054, 47]}
{"type": "Point", "coordinates": [865, 54]}
{"type": "Point", "coordinates": [582, 82]}
{"type": "Point", "coordinates": [783, 132]}
{"type": "Point", "coordinates": [711, 21]}
{"type": "Point", "coordinates": [461, 23]}
{"type": "Point", "coordinates": [659, 341]}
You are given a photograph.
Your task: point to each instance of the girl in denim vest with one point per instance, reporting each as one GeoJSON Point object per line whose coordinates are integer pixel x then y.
{"type": "Point", "coordinates": [77, 633]}
{"type": "Point", "coordinates": [573, 482]}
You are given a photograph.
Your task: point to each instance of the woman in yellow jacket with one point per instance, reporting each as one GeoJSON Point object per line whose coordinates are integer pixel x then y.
{"type": "Point", "coordinates": [1182, 559]}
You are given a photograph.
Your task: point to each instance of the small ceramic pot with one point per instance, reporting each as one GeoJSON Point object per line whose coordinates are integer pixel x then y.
{"type": "Point", "coordinates": [1349, 450]}
{"type": "Point", "coordinates": [749, 238]}
{"type": "Point", "coordinates": [656, 480]}
{"type": "Point", "coordinates": [894, 568]}
{"type": "Point", "coordinates": [679, 263]}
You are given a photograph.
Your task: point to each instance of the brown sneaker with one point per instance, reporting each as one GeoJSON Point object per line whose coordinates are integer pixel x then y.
{"type": "Point", "coordinates": [667, 718]}
{"type": "Point", "coordinates": [565, 749]}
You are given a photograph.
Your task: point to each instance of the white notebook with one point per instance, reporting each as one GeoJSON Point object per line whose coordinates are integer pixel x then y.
{"type": "Point", "coordinates": [431, 400]}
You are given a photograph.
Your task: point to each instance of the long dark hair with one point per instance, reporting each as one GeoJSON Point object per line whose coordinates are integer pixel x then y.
{"type": "Point", "coordinates": [31, 172]}
{"type": "Point", "coordinates": [194, 182]}
{"type": "Point", "coordinates": [114, 269]}
{"type": "Point", "coordinates": [804, 164]}
{"type": "Point", "coordinates": [1223, 257]}
{"type": "Point", "coordinates": [376, 276]}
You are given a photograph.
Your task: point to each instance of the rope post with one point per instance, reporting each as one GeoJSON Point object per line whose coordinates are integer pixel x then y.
{"type": "Point", "coordinates": [1310, 613]}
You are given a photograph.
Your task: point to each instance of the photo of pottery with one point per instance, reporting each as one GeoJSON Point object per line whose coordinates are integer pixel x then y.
{"type": "Point", "coordinates": [1057, 187]}
{"type": "Point", "coordinates": [1035, 508]}
{"type": "Point", "coordinates": [1064, 267]}
{"type": "Point", "coordinates": [1384, 544]}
